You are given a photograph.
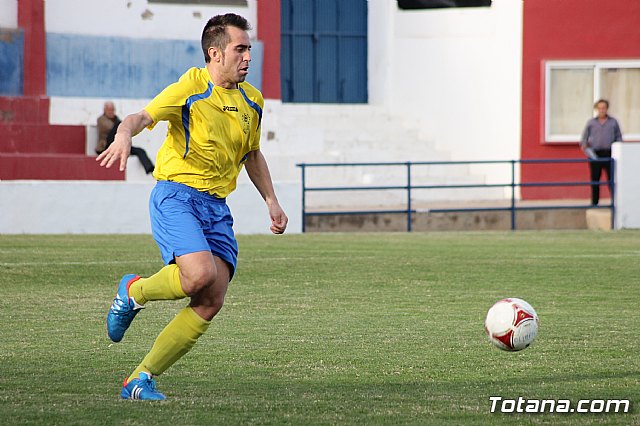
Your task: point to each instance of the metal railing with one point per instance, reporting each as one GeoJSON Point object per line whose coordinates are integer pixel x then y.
{"type": "Point", "coordinates": [409, 187]}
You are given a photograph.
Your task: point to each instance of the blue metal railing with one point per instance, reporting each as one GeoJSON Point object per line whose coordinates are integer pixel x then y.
{"type": "Point", "coordinates": [409, 211]}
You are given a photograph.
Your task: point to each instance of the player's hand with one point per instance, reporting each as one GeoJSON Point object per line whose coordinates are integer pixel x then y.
{"type": "Point", "coordinates": [279, 219]}
{"type": "Point", "coordinates": [118, 151]}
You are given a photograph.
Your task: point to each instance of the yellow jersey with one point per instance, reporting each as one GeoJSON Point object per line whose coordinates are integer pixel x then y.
{"type": "Point", "coordinates": [211, 131]}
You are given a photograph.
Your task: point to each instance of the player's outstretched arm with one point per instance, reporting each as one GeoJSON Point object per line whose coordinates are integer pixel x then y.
{"type": "Point", "coordinates": [120, 149]}
{"type": "Point", "coordinates": [258, 171]}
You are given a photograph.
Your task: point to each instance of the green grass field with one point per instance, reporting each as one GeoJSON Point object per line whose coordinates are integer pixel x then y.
{"type": "Point", "coordinates": [328, 329]}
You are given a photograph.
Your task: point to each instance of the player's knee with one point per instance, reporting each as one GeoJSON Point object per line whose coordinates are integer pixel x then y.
{"type": "Point", "coordinates": [196, 280]}
{"type": "Point", "coordinates": [215, 307]}
{"type": "Point", "coordinates": [208, 305]}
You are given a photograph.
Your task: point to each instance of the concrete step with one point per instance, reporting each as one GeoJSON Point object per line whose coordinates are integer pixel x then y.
{"type": "Point", "coordinates": [21, 110]}
{"type": "Point", "coordinates": [385, 199]}
{"type": "Point", "coordinates": [42, 138]}
{"type": "Point", "coordinates": [330, 110]}
{"type": "Point", "coordinates": [54, 167]}
{"type": "Point", "coordinates": [599, 219]}
{"type": "Point", "coordinates": [283, 167]}
{"type": "Point", "coordinates": [364, 134]}
{"type": "Point", "coordinates": [453, 221]}
{"type": "Point", "coordinates": [339, 121]}
{"type": "Point", "coordinates": [351, 133]}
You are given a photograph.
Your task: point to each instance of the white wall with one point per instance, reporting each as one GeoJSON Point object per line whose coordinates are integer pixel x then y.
{"type": "Point", "coordinates": [137, 18]}
{"type": "Point", "coordinates": [456, 72]}
{"type": "Point", "coordinates": [92, 207]}
{"type": "Point", "coordinates": [627, 179]}
{"type": "Point", "coordinates": [9, 14]}
{"type": "Point", "coordinates": [381, 23]}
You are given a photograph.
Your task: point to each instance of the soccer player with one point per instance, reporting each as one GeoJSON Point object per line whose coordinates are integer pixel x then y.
{"type": "Point", "coordinates": [214, 129]}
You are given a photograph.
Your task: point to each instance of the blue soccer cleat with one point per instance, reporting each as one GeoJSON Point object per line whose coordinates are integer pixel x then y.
{"type": "Point", "coordinates": [143, 389]}
{"type": "Point", "coordinates": [123, 309]}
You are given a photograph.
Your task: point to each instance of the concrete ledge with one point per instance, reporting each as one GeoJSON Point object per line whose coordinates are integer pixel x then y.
{"type": "Point", "coordinates": [455, 221]}
{"type": "Point", "coordinates": [598, 219]}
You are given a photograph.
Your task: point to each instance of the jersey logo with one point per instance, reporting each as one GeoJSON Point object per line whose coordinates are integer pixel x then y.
{"type": "Point", "coordinates": [229, 108]}
{"type": "Point", "coordinates": [253, 105]}
{"type": "Point", "coordinates": [246, 123]}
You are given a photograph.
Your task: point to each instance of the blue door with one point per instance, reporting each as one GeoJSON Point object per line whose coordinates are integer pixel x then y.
{"type": "Point", "coordinates": [324, 51]}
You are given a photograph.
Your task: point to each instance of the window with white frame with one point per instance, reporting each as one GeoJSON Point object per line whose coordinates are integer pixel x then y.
{"type": "Point", "coordinates": [572, 87]}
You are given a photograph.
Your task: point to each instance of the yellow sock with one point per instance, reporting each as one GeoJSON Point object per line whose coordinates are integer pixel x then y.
{"type": "Point", "coordinates": [177, 338]}
{"type": "Point", "coordinates": [164, 285]}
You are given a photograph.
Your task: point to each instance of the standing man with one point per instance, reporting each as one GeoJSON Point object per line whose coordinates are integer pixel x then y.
{"type": "Point", "coordinates": [597, 137]}
{"type": "Point", "coordinates": [214, 129]}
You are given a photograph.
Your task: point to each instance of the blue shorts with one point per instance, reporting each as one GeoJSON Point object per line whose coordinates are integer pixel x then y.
{"type": "Point", "coordinates": [185, 220]}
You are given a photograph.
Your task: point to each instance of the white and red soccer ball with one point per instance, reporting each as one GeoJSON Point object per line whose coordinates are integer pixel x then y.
{"type": "Point", "coordinates": [511, 324]}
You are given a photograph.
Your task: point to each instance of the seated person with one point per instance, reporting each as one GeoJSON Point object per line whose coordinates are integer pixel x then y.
{"type": "Point", "coordinates": [108, 124]}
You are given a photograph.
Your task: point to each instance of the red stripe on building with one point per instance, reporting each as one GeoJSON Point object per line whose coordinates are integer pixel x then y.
{"type": "Point", "coordinates": [269, 34]}
{"type": "Point", "coordinates": [31, 20]}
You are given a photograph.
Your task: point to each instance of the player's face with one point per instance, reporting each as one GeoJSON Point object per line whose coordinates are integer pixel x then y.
{"type": "Point", "coordinates": [234, 63]}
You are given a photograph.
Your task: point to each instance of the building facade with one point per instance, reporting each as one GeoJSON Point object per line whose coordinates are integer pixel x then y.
{"type": "Point", "coordinates": [344, 81]}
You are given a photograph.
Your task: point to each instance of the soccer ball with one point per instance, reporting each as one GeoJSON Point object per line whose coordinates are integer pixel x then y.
{"type": "Point", "coordinates": [511, 324]}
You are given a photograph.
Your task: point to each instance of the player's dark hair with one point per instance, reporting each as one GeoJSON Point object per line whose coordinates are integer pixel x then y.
{"type": "Point", "coordinates": [215, 33]}
{"type": "Point", "coordinates": [601, 101]}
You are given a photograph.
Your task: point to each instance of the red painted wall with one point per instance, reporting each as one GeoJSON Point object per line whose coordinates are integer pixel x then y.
{"type": "Point", "coordinates": [31, 20]}
{"type": "Point", "coordinates": [567, 30]}
{"type": "Point", "coordinates": [269, 34]}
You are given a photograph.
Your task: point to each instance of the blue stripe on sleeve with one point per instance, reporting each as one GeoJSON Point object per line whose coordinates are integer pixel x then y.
{"type": "Point", "coordinates": [186, 108]}
{"type": "Point", "coordinates": [252, 105]}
